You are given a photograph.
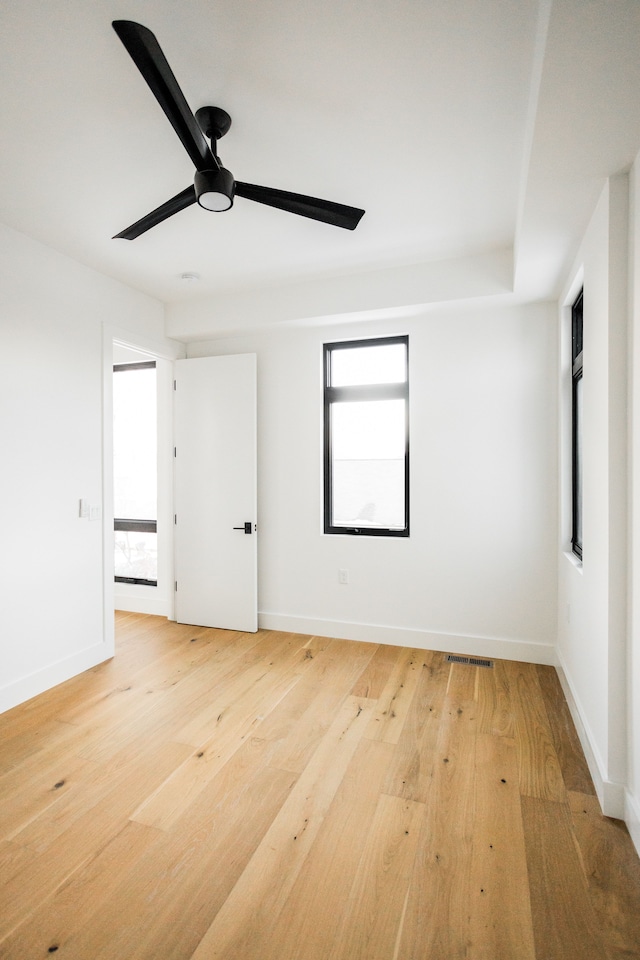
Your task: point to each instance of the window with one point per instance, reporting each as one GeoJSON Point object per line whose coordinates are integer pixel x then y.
{"type": "Point", "coordinates": [366, 437]}
{"type": "Point", "coordinates": [135, 473]}
{"type": "Point", "coordinates": [576, 426]}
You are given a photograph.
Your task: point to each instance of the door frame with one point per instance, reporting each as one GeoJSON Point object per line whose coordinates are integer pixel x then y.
{"type": "Point", "coordinates": [209, 388]}
{"type": "Point", "coordinates": [164, 354]}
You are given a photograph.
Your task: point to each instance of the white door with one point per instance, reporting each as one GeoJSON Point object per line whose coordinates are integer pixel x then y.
{"type": "Point", "coordinates": [215, 491]}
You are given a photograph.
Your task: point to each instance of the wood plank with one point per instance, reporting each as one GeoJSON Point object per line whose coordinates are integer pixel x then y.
{"type": "Point", "coordinates": [189, 696]}
{"type": "Point", "coordinates": [441, 871]}
{"type": "Point", "coordinates": [539, 770]}
{"type": "Point", "coordinates": [53, 922]}
{"type": "Point", "coordinates": [313, 910]}
{"type": "Point", "coordinates": [495, 711]}
{"type": "Point", "coordinates": [500, 926]}
{"type": "Point", "coordinates": [164, 907]}
{"type": "Point", "coordinates": [236, 724]}
{"type": "Point", "coordinates": [117, 707]}
{"type": "Point", "coordinates": [432, 688]}
{"type": "Point", "coordinates": [13, 857]}
{"type": "Point", "coordinates": [374, 678]}
{"type": "Point", "coordinates": [26, 797]}
{"type": "Point", "coordinates": [324, 692]}
{"type": "Point", "coordinates": [461, 685]}
{"type": "Point", "coordinates": [140, 665]}
{"type": "Point", "coordinates": [238, 930]}
{"type": "Point", "coordinates": [395, 700]}
{"type": "Point", "coordinates": [193, 687]}
{"type": "Point", "coordinates": [612, 873]}
{"type": "Point", "coordinates": [115, 792]}
{"type": "Point", "coordinates": [575, 771]}
{"type": "Point", "coordinates": [428, 696]}
{"type": "Point", "coordinates": [43, 875]}
{"type": "Point", "coordinates": [18, 747]}
{"type": "Point", "coordinates": [286, 654]}
{"type": "Point", "coordinates": [170, 661]}
{"type": "Point", "coordinates": [373, 915]}
{"type": "Point", "coordinates": [564, 924]}
{"type": "Point", "coordinates": [411, 771]}
{"type": "Point", "coordinates": [321, 674]}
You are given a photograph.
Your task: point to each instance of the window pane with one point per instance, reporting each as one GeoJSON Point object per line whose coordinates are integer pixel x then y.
{"type": "Point", "coordinates": [576, 327]}
{"type": "Point", "coordinates": [136, 555]}
{"type": "Point", "coordinates": [384, 363]}
{"type": "Point", "coordinates": [577, 467]}
{"type": "Point", "coordinates": [135, 470]}
{"type": "Point", "coordinates": [368, 443]}
{"type": "Point", "coordinates": [134, 444]}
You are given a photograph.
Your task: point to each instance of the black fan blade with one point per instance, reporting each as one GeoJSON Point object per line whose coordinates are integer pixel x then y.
{"type": "Point", "coordinates": [144, 50]}
{"type": "Point", "coordinates": [175, 205]}
{"type": "Point", "coordinates": [334, 213]}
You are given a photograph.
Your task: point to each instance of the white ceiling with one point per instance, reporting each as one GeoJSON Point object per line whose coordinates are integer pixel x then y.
{"type": "Point", "coordinates": [465, 128]}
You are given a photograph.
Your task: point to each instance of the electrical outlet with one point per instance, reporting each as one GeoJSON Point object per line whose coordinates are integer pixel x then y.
{"type": "Point", "coordinates": [343, 576]}
{"type": "Point", "coordinates": [84, 509]}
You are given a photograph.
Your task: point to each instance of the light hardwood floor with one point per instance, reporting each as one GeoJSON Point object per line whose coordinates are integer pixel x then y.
{"type": "Point", "coordinates": [210, 794]}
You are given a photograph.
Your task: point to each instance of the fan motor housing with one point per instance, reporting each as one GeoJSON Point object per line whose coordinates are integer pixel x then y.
{"type": "Point", "coordinates": [213, 121]}
{"type": "Point", "coordinates": [214, 189]}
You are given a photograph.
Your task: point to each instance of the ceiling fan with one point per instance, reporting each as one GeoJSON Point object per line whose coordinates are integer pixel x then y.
{"type": "Point", "coordinates": [214, 187]}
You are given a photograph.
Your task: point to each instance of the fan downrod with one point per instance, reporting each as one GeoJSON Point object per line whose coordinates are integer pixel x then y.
{"type": "Point", "coordinates": [213, 121]}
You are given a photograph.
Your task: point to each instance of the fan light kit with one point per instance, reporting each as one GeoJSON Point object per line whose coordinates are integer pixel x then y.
{"type": "Point", "coordinates": [214, 187]}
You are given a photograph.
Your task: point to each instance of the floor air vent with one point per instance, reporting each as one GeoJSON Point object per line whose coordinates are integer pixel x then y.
{"type": "Point", "coordinates": [472, 661]}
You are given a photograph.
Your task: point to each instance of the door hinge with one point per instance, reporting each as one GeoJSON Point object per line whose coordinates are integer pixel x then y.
{"type": "Point", "coordinates": [174, 385]}
{"type": "Point", "coordinates": [175, 585]}
{"type": "Point", "coordinates": [175, 518]}
{"type": "Point", "coordinates": [174, 452]}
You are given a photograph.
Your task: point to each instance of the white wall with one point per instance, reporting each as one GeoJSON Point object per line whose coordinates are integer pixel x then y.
{"type": "Point", "coordinates": [592, 620]}
{"type": "Point", "coordinates": [478, 573]}
{"type": "Point", "coordinates": [632, 798]}
{"type": "Point", "coordinates": [54, 621]}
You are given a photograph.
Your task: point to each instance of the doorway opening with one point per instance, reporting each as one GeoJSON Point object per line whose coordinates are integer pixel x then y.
{"type": "Point", "coordinates": [140, 538]}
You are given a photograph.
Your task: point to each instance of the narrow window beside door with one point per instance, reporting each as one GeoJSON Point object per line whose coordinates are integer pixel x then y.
{"type": "Point", "coordinates": [135, 473]}
{"type": "Point", "coordinates": [576, 425]}
{"type": "Point", "coordinates": [366, 437]}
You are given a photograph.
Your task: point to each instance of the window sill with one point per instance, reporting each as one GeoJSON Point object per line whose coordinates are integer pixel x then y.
{"type": "Point", "coordinates": [573, 559]}
{"type": "Point", "coordinates": [365, 536]}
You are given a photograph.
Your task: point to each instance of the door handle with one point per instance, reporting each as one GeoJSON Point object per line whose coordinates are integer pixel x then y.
{"type": "Point", "coordinates": [246, 527]}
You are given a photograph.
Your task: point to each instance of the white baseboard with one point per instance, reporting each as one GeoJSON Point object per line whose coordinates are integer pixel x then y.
{"type": "Point", "coordinates": [408, 637]}
{"type": "Point", "coordinates": [611, 795]}
{"type": "Point", "coordinates": [137, 601]}
{"type": "Point", "coordinates": [632, 817]}
{"type": "Point", "coordinates": [35, 683]}
{"type": "Point", "coordinates": [157, 608]}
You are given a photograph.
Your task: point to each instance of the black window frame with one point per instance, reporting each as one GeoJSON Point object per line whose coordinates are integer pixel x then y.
{"type": "Point", "coordinates": [128, 524]}
{"type": "Point", "coordinates": [576, 424]}
{"type": "Point", "coordinates": [379, 391]}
